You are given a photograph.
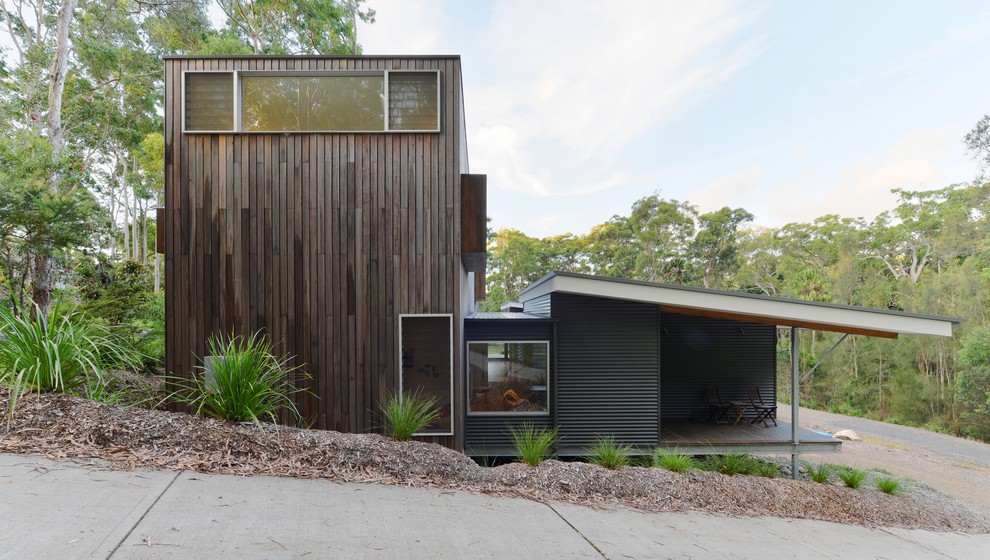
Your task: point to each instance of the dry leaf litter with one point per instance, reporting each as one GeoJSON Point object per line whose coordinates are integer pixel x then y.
{"type": "Point", "coordinates": [60, 426]}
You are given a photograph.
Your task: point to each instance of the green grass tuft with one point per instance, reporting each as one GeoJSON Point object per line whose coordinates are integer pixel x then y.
{"type": "Point", "coordinates": [820, 473]}
{"type": "Point", "coordinates": [765, 469]}
{"type": "Point", "coordinates": [673, 461]}
{"type": "Point", "coordinates": [851, 477]}
{"type": "Point", "coordinates": [730, 464]}
{"type": "Point", "coordinates": [405, 415]}
{"type": "Point", "coordinates": [244, 381]}
{"type": "Point", "coordinates": [62, 353]}
{"type": "Point", "coordinates": [607, 453]}
{"type": "Point", "coordinates": [534, 445]}
{"type": "Point", "coordinates": [889, 485]}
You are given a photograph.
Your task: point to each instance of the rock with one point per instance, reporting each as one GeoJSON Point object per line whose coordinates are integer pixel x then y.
{"type": "Point", "coordinates": [847, 435]}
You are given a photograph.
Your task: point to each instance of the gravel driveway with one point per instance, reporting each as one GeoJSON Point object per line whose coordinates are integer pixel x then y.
{"type": "Point", "coordinates": [955, 466]}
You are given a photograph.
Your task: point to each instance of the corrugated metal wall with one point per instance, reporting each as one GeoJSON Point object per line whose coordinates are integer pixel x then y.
{"type": "Point", "coordinates": [489, 434]}
{"type": "Point", "coordinates": [607, 371]}
{"type": "Point", "coordinates": [698, 351]}
{"type": "Point", "coordinates": [538, 306]}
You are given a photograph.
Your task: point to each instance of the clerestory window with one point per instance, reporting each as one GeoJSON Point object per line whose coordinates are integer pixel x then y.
{"type": "Point", "coordinates": [276, 101]}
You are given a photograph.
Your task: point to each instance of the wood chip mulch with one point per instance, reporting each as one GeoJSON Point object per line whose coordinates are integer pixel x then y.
{"type": "Point", "coordinates": [60, 426]}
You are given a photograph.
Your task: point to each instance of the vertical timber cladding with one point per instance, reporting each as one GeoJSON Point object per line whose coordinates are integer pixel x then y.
{"type": "Point", "coordinates": [699, 351]}
{"type": "Point", "coordinates": [320, 240]}
{"type": "Point", "coordinates": [608, 367]}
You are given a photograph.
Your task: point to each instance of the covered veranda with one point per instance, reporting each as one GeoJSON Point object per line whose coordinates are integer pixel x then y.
{"type": "Point", "coordinates": [704, 437]}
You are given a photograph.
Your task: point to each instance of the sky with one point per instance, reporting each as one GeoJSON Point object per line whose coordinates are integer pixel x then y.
{"type": "Point", "coordinates": [792, 110]}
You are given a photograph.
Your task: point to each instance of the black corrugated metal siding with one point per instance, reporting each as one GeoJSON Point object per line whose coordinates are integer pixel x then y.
{"type": "Point", "coordinates": [489, 434]}
{"type": "Point", "coordinates": [607, 371]}
{"type": "Point", "coordinates": [538, 306]}
{"type": "Point", "coordinates": [698, 351]}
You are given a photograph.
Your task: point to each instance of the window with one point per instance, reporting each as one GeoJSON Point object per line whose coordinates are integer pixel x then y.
{"type": "Point", "coordinates": [508, 377]}
{"type": "Point", "coordinates": [342, 101]}
{"type": "Point", "coordinates": [426, 362]}
{"type": "Point", "coordinates": [209, 101]}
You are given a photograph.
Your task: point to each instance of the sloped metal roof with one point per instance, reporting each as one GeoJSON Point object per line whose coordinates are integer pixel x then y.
{"type": "Point", "coordinates": [688, 300]}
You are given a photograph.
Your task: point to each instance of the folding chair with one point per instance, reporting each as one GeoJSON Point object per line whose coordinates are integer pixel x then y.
{"type": "Point", "coordinates": [717, 410]}
{"type": "Point", "coordinates": [763, 410]}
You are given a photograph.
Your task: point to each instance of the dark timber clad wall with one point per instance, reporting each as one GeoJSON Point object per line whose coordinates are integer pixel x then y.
{"type": "Point", "coordinates": [607, 371]}
{"type": "Point", "coordinates": [698, 351]}
{"type": "Point", "coordinates": [489, 434]}
{"type": "Point", "coordinates": [320, 240]}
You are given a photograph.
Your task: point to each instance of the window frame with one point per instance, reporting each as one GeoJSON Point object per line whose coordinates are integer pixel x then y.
{"type": "Point", "coordinates": [236, 76]}
{"type": "Point", "coordinates": [509, 414]}
{"type": "Point", "coordinates": [453, 416]}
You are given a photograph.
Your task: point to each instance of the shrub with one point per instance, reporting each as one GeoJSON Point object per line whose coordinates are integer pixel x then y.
{"type": "Point", "coordinates": [607, 453]}
{"type": "Point", "coordinates": [889, 485]}
{"type": "Point", "coordinates": [243, 381]}
{"type": "Point", "coordinates": [408, 414]}
{"type": "Point", "coordinates": [730, 464]}
{"type": "Point", "coordinates": [534, 445]}
{"type": "Point", "coordinates": [851, 477]}
{"type": "Point", "coordinates": [673, 461]}
{"type": "Point", "coordinates": [765, 469]}
{"type": "Point", "coordinates": [61, 353]}
{"type": "Point", "coordinates": [821, 473]}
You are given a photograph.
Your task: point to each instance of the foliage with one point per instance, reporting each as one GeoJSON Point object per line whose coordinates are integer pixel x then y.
{"type": "Point", "coordinates": [673, 460]}
{"type": "Point", "coordinates": [405, 415]}
{"type": "Point", "coordinates": [533, 444]}
{"type": "Point", "coordinates": [889, 485]}
{"type": "Point", "coordinates": [820, 473]}
{"type": "Point", "coordinates": [851, 477]}
{"type": "Point", "coordinates": [120, 295]}
{"type": "Point", "coordinates": [607, 453]}
{"type": "Point", "coordinates": [242, 380]}
{"type": "Point", "coordinates": [731, 464]}
{"type": "Point", "coordinates": [55, 353]}
{"type": "Point", "coordinates": [766, 469]}
{"type": "Point", "coordinates": [298, 27]}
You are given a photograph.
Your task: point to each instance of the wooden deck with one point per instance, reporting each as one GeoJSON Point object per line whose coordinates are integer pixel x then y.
{"type": "Point", "coordinates": [701, 438]}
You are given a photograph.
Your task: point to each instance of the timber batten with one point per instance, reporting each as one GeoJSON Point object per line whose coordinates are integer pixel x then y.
{"type": "Point", "coordinates": [320, 240]}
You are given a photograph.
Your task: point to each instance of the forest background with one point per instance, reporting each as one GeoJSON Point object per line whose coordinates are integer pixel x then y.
{"type": "Point", "coordinates": [82, 165]}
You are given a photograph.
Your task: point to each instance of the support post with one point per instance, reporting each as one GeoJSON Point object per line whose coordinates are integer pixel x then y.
{"type": "Point", "coordinates": [795, 402]}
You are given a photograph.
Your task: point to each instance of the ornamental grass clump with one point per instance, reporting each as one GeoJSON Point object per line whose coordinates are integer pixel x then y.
{"type": "Point", "coordinates": [889, 485]}
{"type": "Point", "coordinates": [730, 464]}
{"type": "Point", "coordinates": [242, 381]}
{"type": "Point", "coordinates": [820, 473]}
{"type": "Point", "coordinates": [61, 353]}
{"type": "Point", "coordinates": [851, 477]}
{"type": "Point", "coordinates": [673, 461]}
{"type": "Point", "coordinates": [534, 445]}
{"type": "Point", "coordinates": [406, 414]}
{"type": "Point", "coordinates": [605, 452]}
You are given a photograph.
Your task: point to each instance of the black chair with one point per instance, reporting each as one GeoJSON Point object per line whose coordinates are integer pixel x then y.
{"type": "Point", "coordinates": [763, 410]}
{"type": "Point", "coordinates": [717, 410]}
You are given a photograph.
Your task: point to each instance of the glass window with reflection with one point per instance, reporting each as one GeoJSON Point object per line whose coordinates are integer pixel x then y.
{"type": "Point", "coordinates": [509, 377]}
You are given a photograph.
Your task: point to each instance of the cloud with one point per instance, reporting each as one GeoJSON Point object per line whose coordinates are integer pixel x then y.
{"type": "Point", "coordinates": [734, 190]}
{"type": "Point", "coordinates": [579, 84]}
{"type": "Point", "coordinates": [916, 161]}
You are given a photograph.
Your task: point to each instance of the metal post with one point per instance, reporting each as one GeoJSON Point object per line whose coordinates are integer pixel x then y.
{"type": "Point", "coordinates": [795, 401]}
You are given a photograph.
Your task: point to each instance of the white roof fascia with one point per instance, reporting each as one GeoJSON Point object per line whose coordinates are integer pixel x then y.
{"type": "Point", "coordinates": [771, 308]}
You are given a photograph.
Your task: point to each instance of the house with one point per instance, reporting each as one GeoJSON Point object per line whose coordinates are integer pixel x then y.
{"type": "Point", "coordinates": [327, 202]}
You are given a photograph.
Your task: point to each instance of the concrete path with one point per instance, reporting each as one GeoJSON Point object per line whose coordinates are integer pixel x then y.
{"type": "Point", "coordinates": [71, 509]}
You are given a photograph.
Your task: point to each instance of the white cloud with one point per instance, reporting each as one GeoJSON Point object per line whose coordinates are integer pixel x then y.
{"type": "Point", "coordinates": [735, 190]}
{"type": "Point", "coordinates": [917, 161]}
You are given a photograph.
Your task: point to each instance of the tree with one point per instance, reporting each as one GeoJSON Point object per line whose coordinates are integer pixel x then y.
{"type": "Point", "coordinates": [296, 26]}
{"type": "Point", "coordinates": [715, 248]}
{"type": "Point", "coordinates": [663, 230]}
{"type": "Point", "coordinates": [978, 145]}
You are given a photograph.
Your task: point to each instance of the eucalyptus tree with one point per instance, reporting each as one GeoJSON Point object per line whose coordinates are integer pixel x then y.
{"type": "Point", "coordinates": [297, 26]}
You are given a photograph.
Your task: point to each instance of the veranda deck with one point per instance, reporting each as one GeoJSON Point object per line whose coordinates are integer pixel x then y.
{"type": "Point", "coordinates": [703, 438]}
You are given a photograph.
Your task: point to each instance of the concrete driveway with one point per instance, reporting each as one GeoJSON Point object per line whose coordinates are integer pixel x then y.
{"type": "Point", "coordinates": [72, 509]}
